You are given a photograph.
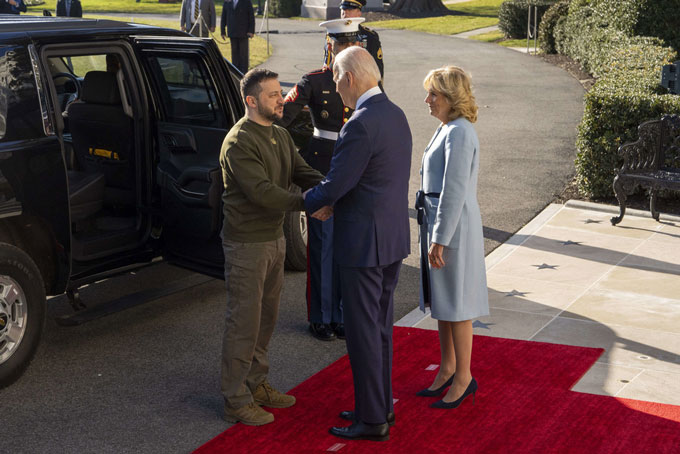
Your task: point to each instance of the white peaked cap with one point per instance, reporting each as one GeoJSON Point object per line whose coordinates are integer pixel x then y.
{"type": "Point", "coordinates": [342, 27]}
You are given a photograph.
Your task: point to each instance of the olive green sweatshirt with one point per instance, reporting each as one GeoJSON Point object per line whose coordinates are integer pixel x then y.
{"type": "Point", "coordinates": [259, 164]}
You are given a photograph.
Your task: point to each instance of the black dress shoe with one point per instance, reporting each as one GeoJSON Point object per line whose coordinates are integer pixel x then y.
{"type": "Point", "coordinates": [427, 392]}
{"type": "Point", "coordinates": [338, 329]}
{"type": "Point", "coordinates": [322, 331]}
{"type": "Point", "coordinates": [349, 416]}
{"type": "Point", "coordinates": [471, 389]}
{"type": "Point", "coordinates": [362, 431]}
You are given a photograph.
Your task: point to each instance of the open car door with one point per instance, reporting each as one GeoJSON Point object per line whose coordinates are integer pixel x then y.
{"type": "Point", "coordinates": [197, 102]}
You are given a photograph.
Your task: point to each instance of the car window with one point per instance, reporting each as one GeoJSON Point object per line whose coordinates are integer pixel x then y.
{"type": "Point", "coordinates": [188, 91]}
{"type": "Point", "coordinates": [20, 112]}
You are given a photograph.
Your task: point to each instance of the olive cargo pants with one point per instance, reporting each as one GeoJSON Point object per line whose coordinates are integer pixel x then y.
{"type": "Point", "coordinates": [254, 278]}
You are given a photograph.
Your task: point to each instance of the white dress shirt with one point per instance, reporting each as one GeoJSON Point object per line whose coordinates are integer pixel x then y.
{"type": "Point", "coordinates": [371, 92]}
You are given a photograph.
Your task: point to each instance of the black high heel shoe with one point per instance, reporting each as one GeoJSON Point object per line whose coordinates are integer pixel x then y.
{"type": "Point", "coordinates": [471, 389]}
{"type": "Point", "coordinates": [435, 392]}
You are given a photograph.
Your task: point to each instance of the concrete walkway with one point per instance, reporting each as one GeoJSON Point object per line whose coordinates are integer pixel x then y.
{"type": "Point", "coordinates": [570, 277]}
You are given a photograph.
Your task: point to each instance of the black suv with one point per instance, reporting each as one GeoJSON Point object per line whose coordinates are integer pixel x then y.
{"type": "Point", "coordinates": [109, 141]}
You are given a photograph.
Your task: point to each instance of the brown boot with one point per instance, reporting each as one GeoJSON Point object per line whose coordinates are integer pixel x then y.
{"type": "Point", "coordinates": [250, 415]}
{"type": "Point", "coordinates": [267, 396]}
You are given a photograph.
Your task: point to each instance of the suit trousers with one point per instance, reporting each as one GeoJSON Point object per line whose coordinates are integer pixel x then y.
{"type": "Point", "coordinates": [253, 275]}
{"type": "Point", "coordinates": [239, 53]}
{"type": "Point", "coordinates": [323, 289]}
{"type": "Point", "coordinates": [368, 298]}
{"type": "Point", "coordinates": [200, 30]}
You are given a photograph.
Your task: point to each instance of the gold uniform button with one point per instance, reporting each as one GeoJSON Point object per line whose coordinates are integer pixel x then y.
{"type": "Point", "coordinates": [346, 109]}
{"type": "Point", "coordinates": [316, 153]}
{"type": "Point", "coordinates": [344, 120]}
{"type": "Point", "coordinates": [325, 102]}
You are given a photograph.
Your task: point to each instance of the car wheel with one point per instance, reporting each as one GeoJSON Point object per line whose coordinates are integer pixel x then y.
{"type": "Point", "coordinates": [295, 230]}
{"type": "Point", "coordinates": [22, 312]}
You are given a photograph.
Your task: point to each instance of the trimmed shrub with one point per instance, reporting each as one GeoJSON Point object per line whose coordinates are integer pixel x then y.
{"type": "Point", "coordinates": [513, 16]}
{"type": "Point", "coordinates": [285, 8]}
{"type": "Point", "coordinates": [602, 36]}
{"type": "Point", "coordinates": [546, 37]}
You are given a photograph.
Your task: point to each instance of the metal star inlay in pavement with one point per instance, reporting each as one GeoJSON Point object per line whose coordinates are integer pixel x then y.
{"type": "Point", "coordinates": [478, 324]}
{"type": "Point", "coordinates": [569, 243]}
{"type": "Point", "coordinates": [545, 266]}
{"type": "Point", "coordinates": [516, 293]}
{"type": "Point", "coordinates": [591, 221]}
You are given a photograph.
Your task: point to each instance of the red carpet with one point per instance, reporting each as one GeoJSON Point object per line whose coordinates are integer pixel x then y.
{"type": "Point", "coordinates": [523, 406]}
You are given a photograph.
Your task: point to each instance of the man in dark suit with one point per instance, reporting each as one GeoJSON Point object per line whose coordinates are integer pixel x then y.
{"type": "Point", "coordinates": [198, 17]}
{"type": "Point", "coordinates": [239, 21]}
{"type": "Point", "coordinates": [367, 186]}
{"type": "Point", "coordinates": [69, 8]}
{"type": "Point", "coordinates": [12, 7]}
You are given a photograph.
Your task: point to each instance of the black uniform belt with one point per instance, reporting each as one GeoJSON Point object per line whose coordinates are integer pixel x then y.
{"type": "Point", "coordinates": [323, 134]}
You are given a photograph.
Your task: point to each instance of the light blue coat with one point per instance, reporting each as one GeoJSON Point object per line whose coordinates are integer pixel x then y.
{"type": "Point", "coordinates": [450, 166]}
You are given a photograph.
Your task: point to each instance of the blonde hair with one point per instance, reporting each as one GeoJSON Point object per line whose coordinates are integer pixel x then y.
{"type": "Point", "coordinates": [454, 84]}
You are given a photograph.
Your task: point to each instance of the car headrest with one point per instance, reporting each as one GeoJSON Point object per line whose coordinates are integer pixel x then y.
{"type": "Point", "coordinates": [100, 87]}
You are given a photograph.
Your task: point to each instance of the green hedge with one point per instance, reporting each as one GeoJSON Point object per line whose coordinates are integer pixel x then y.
{"type": "Point", "coordinates": [549, 20]}
{"type": "Point", "coordinates": [285, 8]}
{"type": "Point", "coordinates": [513, 15]}
{"type": "Point", "coordinates": [602, 37]}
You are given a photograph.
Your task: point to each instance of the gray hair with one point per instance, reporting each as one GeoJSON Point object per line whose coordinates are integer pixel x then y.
{"type": "Point", "coordinates": [357, 61]}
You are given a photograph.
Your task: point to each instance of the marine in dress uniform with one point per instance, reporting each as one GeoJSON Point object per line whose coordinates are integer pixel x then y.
{"type": "Point", "coordinates": [317, 90]}
{"type": "Point", "coordinates": [368, 38]}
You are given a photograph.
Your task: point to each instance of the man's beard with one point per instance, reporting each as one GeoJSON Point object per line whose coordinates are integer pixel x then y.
{"type": "Point", "coordinates": [268, 113]}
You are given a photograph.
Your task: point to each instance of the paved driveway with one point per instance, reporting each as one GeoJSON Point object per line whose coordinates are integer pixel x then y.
{"type": "Point", "coordinates": [147, 379]}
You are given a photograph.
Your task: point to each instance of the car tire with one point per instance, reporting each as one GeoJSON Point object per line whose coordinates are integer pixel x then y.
{"type": "Point", "coordinates": [22, 312]}
{"type": "Point", "coordinates": [295, 231]}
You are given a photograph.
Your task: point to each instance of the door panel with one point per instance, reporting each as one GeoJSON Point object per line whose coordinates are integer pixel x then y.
{"type": "Point", "coordinates": [195, 110]}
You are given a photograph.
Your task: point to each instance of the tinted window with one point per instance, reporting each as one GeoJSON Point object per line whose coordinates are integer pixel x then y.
{"type": "Point", "coordinates": [20, 116]}
{"type": "Point", "coordinates": [188, 92]}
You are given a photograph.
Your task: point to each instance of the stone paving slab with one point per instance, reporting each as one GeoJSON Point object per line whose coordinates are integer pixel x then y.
{"type": "Point", "coordinates": [570, 277]}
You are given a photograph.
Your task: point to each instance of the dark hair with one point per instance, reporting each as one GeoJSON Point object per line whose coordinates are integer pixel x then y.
{"type": "Point", "coordinates": [250, 84]}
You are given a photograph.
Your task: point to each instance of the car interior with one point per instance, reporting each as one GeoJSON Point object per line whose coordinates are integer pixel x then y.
{"type": "Point", "coordinates": [99, 141]}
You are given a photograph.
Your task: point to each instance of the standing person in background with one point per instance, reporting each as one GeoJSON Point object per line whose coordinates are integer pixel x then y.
{"type": "Point", "coordinates": [238, 22]}
{"type": "Point", "coordinates": [453, 273]}
{"type": "Point", "coordinates": [198, 17]}
{"type": "Point", "coordinates": [329, 114]}
{"type": "Point", "coordinates": [369, 38]}
{"type": "Point", "coordinates": [259, 163]}
{"type": "Point", "coordinates": [69, 8]}
{"type": "Point", "coordinates": [12, 7]}
{"type": "Point", "coordinates": [367, 186]}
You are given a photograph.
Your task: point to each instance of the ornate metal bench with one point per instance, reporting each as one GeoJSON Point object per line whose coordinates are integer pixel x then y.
{"type": "Point", "coordinates": [652, 161]}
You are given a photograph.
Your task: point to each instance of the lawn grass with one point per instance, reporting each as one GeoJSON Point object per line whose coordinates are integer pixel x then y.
{"type": "Point", "coordinates": [497, 37]}
{"type": "Point", "coordinates": [121, 6]}
{"type": "Point", "coordinates": [258, 45]}
{"type": "Point", "coordinates": [491, 37]}
{"type": "Point", "coordinates": [468, 16]}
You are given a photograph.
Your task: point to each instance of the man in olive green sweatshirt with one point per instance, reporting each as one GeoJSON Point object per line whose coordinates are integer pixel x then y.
{"type": "Point", "coordinates": [259, 163]}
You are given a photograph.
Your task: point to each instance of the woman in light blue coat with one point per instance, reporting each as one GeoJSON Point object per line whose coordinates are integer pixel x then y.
{"type": "Point", "coordinates": [453, 273]}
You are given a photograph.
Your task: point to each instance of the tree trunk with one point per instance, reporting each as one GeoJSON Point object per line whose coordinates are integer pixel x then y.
{"type": "Point", "coordinates": [418, 6]}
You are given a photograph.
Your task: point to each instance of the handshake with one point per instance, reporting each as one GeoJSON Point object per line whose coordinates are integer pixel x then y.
{"type": "Point", "coordinates": [323, 214]}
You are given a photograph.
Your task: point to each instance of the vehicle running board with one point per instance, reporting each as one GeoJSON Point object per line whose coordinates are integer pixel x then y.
{"type": "Point", "coordinates": [129, 301]}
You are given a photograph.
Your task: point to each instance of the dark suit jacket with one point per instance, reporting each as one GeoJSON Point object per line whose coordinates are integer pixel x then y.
{"type": "Point", "coordinates": [76, 8]}
{"type": "Point", "coordinates": [368, 187]}
{"type": "Point", "coordinates": [6, 8]}
{"type": "Point", "coordinates": [238, 22]}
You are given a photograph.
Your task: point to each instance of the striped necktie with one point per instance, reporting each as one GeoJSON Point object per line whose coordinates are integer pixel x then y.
{"type": "Point", "coordinates": [196, 10]}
